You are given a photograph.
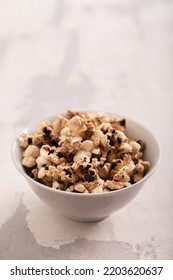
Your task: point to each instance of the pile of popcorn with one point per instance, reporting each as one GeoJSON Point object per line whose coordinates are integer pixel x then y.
{"type": "Point", "coordinates": [84, 153]}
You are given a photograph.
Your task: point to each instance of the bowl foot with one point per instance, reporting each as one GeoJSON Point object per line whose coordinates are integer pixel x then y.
{"type": "Point", "coordinates": [86, 220]}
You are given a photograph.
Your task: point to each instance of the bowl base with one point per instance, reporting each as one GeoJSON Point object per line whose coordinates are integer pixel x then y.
{"type": "Point", "coordinates": [86, 220]}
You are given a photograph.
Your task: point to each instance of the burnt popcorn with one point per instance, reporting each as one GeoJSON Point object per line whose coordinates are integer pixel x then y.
{"type": "Point", "coordinates": [112, 141]}
{"type": "Point", "coordinates": [47, 133]}
{"type": "Point", "coordinates": [90, 176]}
{"type": "Point", "coordinates": [29, 140]}
{"type": "Point", "coordinates": [123, 122]}
{"type": "Point", "coordinates": [83, 152]}
{"type": "Point", "coordinates": [68, 173]}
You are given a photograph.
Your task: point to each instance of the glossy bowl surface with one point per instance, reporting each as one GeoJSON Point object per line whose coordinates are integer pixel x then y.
{"type": "Point", "coordinates": [95, 206]}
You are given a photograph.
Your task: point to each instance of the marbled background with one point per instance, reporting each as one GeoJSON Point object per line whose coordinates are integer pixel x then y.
{"type": "Point", "coordinates": [108, 55]}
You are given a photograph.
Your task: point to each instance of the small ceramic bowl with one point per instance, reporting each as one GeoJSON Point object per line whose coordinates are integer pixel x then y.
{"type": "Point", "coordinates": [93, 206]}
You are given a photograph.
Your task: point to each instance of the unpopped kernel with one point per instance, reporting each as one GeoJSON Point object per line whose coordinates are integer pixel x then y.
{"type": "Point", "coordinates": [83, 153]}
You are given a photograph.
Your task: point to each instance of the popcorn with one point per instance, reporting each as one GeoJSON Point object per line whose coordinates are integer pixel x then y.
{"type": "Point", "coordinates": [76, 125]}
{"type": "Point", "coordinates": [65, 131]}
{"type": "Point", "coordinates": [135, 147]}
{"type": "Point", "coordinates": [125, 148]}
{"type": "Point", "coordinates": [83, 153]}
{"type": "Point", "coordinates": [30, 155]}
{"type": "Point", "coordinates": [113, 185]}
{"type": "Point", "coordinates": [28, 161]}
{"type": "Point", "coordinates": [87, 146]}
{"type": "Point", "coordinates": [56, 185]}
{"type": "Point", "coordinates": [104, 171]}
{"type": "Point", "coordinates": [38, 139]}
{"type": "Point", "coordinates": [79, 188]}
{"type": "Point", "coordinates": [32, 151]}
{"type": "Point", "coordinates": [139, 172]}
{"type": "Point", "coordinates": [82, 157]}
{"type": "Point", "coordinates": [42, 173]}
{"type": "Point", "coordinates": [25, 140]}
{"type": "Point", "coordinates": [44, 151]}
{"type": "Point", "coordinates": [41, 161]}
{"type": "Point", "coordinates": [58, 124]}
{"type": "Point", "coordinates": [98, 189]}
{"type": "Point", "coordinates": [121, 136]}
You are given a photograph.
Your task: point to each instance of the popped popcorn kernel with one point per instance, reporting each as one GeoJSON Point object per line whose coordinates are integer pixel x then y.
{"type": "Point", "coordinates": [28, 161]}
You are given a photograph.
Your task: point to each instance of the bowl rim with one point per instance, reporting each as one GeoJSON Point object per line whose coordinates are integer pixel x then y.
{"type": "Point", "coordinates": [57, 191]}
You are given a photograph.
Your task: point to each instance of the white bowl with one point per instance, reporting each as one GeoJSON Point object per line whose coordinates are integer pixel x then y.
{"type": "Point", "coordinates": [93, 206]}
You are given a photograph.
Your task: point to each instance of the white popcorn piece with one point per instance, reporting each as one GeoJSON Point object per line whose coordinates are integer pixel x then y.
{"type": "Point", "coordinates": [70, 189]}
{"type": "Point", "coordinates": [121, 135]}
{"type": "Point", "coordinates": [121, 176]}
{"type": "Point", "coordinates": [55, 172]}
{"type": "Point", "coordinates": [125, 148]}
{"type": "Point", "coordinates": [58, 124]}
{"type": "Point", "coordinates": [24, 140]}
{"type": "Point", "coordinates": [65, 131]}
{"type": "Point", "coordinates": [105, 126]}
{"type": "Point", "coordinates": [82, 156]}
{"type": "Point", "coordinates": [97, 134]}
{"type": "Point", "coordinates": [53, 159]}
{"type": "Point", "coordinates": [113, 185]}
{"type": "Point", "coordinates": [87, 146]}
{"type": "Point", "coordinates": [76, 125]}
{"type": "Point", "coordinates": [41, 161]}
{"type": "Point", "coordinates": [96, 151]}
{"type": "Point", "coordinates": [139, 172]}
{"type": "Point", "coordinates": [76, 139]}
{"type": "Point", "coordinates": [126, 184]}
{"type": "Point", "coordinates": [42, 125]}
{"type": "Point", "coordinates": [98, 189]}
{"type": "Point", "coordinates": [31, 151]}
{"type": "Point", "coordinates": [145, 164]}
{"type": "Point", "coordinates": [104, 140]}
{"type": "Point", "coordinates": [44, 151]}
{"type": "Point", "coordinates": [28, 161]}
{"type": "Point", "coordinates": [56, 185]}
{"type": "Point", "coordinates": [41, 173]}
{"type": "Point", "coordinates": [135, 147]}
{"type": "Point", "coordinates": [79, 187]}
{"type": "Point", "coordinates": [129, 167]}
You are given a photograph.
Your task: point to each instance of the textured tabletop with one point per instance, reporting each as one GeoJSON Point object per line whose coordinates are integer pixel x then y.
{"type": "Point", "coordinates": [105, 55]}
